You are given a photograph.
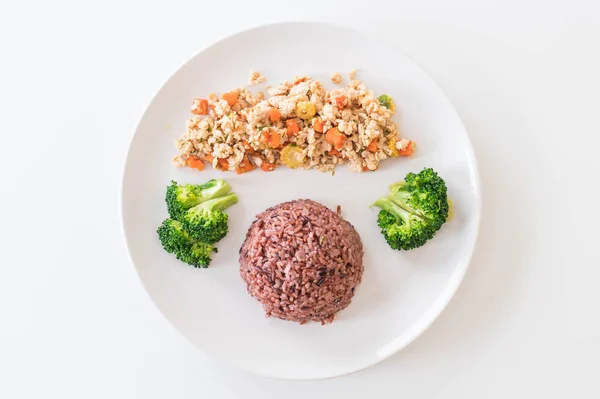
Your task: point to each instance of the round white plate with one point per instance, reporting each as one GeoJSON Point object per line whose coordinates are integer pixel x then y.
{"type": "Point", "coordinates": [401, 292]}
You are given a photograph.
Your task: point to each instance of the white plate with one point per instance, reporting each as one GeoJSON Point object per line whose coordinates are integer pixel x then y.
{"type": "Point", "coordinates": [401, 293]}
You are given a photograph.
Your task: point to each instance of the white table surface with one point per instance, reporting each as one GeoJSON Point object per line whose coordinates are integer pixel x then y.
{"type": "Point", "coordinates": [76, 76]}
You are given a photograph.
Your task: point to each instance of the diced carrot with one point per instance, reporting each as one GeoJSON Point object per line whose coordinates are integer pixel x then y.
{"type": "Point", "coordinates": [274, 115]}
{"type": "Point", "coordinates": [318, 125]}
{"type": "Point", "coordinates": [223, 164]}
{"type": "Point", "coordinates": [335, 152]}
{"type": "Point", "coordinates": [209, 157]}
{"type": "Point", "coordinates": [247, 147]}
{"type": "Point", "coordinates": [245, 166]}
{"type": "Point", "coordinates": [410, 148]}
{"type": "Point", "coordinates": [267, 167]}
{"type": "Point", "coordinates": [274, 140]}
{"type": "Point", "coordinates": [200, 106]}
{"type": "Point", "coordinates": [372, 147]}
{"type": "Point", "coordinates": [264, 137]}
{"type": "Point", "coordinates": [195, 163]}
{"type": "Point", "coordinates": [231, 97]}
{"type": "Point", "coordinates": [292, 127]}
{"type": "Point", "coordinates": [340, 100]}
{"type": "Point", "coordinates": [334, 137]}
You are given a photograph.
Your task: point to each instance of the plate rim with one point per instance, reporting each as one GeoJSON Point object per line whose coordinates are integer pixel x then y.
{"type": "Point", "coordinates": [429, 316]}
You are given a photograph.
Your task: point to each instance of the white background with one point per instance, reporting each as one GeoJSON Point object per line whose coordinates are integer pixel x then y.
{"type": "Point", "coordinates": [76, 76]}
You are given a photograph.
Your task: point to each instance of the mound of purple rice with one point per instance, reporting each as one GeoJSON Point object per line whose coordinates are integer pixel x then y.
{"type": "Point", "coordinates": [302, 261]}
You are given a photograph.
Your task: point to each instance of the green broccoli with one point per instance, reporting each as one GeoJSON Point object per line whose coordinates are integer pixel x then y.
{"type": "Point", "coordinates": [181, 197]}
{"type": "Point", "coordinates": [414, 210]}
{"type": "Point", "coordinates": [206, 221]}
{"type": "Point", "coordinates": [176, 240]}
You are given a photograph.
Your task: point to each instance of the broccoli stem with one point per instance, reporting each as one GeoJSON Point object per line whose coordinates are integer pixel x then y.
{"type": "Point", "coordinates": [219, 203]}
{"type": "Point", "coordinates": [401, 198]}
{"type": "Point", "coordinates": [214, 189]}
{"type": "Point", "coordinates": [394, 209]}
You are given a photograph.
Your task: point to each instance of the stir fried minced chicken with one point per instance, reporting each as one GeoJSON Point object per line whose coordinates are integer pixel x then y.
{"type": "Point", "coordinates": [299, 125]}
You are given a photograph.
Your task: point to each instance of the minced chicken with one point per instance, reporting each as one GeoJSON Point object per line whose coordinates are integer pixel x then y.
{"type": "Point", "coordinates": [300, 125]}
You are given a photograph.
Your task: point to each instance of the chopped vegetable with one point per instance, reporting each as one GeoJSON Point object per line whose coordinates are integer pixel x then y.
{"type": "Point", "coordinates": [335, 152]}
{"type": "Point", "coordinates": [372, 147]}
{"type": "Point", "coordinates": [414, 210]}
{"type": "Point", "coordinates": [247, 147]}
{"type": "Point", "coordinates": [292, 127]}
{"type": "Point", "coordinates": [274, 140]}
{"type": "Point", "coordinates": [181, 197]}
{"type": "Point", "coordinates": [177, 241]}
{"type": "Point", "coordinates": [195, 163]}
{"type": "Point", "coordinates": [392, 146]}
{"type": "Point", "coordinates": [209, 157]}
{"type": "Point", "coordinates": [245, 166]}
{"type": "Point", "coordinates": [264, 137]}
{"type": "Point", "coordinates": [197, 220]}
{"type": "Point", "coordinates": [305, 110]}
{"type": "Point", "coordinates": [270, 138]}
{"type": "Point", "coordinates": [206, 221]}
{"type": "Point", "coordinates": [274, 115]}
{"type": "Point", "coordinates": [267, 167]}
{"type": "Point", "coordinates": [223, 164]}
{"type": "Point", "coordinates": [291, 156]}
{"type": "Point", "coordinates": [340, 101]}
{"type": "Point", "coordinates": [335, 138]}
{"type": "Point", "coordinates": [408, 151]}
{"type": "Point", "coordinates": [365, 168]}
{"type": "Point", "coordinates": [200, 106]}
{"type": "Point", "coordinates": [231, 97]}
{"type": "Point", "coordinates": [387, 102]}
{"type": "Point", "coordinates": [318, 125]}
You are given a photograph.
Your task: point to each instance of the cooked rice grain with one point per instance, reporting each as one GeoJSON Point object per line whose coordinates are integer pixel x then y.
{"type": "Point", "coordinates": [302, 261]}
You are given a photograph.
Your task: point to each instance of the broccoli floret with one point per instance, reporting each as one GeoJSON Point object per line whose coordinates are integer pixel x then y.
{"type": "Point", "coordinates": [414, 210]}
{"type": "Point", "coordinates": [172, 236]}
{"type": "Point", "coordinates": [197, 255]}
{"type": "Point", "coordinates": [207, 222]}
{"type": "Point", "coordinates": [177, 241]}
{"type": "Point", "coordinates": [181, 197]}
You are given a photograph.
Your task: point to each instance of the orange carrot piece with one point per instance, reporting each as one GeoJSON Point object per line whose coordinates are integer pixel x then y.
{"type": "Point", "coordinates": [267, 167]}
{"type": "Point", "coordinates": [334, 137]}
{"type": "Point", "coordinates": [333, 151]}
{"type": "Point", "coordinates": [339, 101]}
{"type": "Point", "coordinates": [245, 166]}
{"type": "Point", "coordinates": [274, 115]}
{"type": "Point", "coordinates": [247, 147]}
{"type": "Point", "coordinates": [365, 168]}
{"type": "Point", "coordinates": [195, 163]}
{"type": "Point", "coordinates": [274, 140]}
{"type": "Point", "coordinates": [231, 97]}
{"type": "Point", "coordinates": [318, 125]}
{"type": "Point", "coordinates": [410, 148]}
{"type": "Point", "coordinates": [372, 147]}
{"type": "Point", "coordinates": [200, 106]}
{"type": "Point", "coordinates": [292, 127]}
{"type": "Point", "coordinates": [223, 164]}
{"type": "Point", "coordinates": [264, 137]}
{"type": "Point", "coordinates": [209, 157]}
